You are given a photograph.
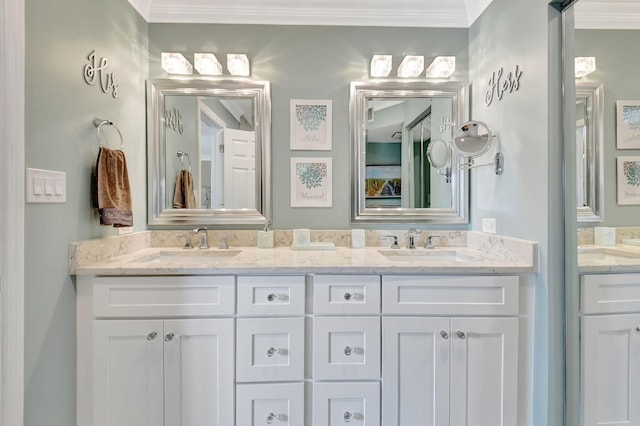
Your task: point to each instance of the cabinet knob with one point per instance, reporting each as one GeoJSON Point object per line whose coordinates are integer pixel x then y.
{"type": "Point", "coordinates": [169, 337]}
{"type": "Point", "coordinates": [461, 335]}
{"type": "Point", "coordinates": [348, 350]}
{"type": "Point", "coordinates": [152, 335]}
{"type": "Point", "coordinates": [348, 416]}
{"type": "Point", "coordinates": [349, 296]}
{"type": "Point", "coordinates": [444, 335]}
{"type": "Point", "coordinates": [271, 352]}
{"type": "Point", "coordinates": [638, 329]}
{"type": "Point", "coordinates": [271, 417]}
{"type": "Point", "coordinates": [271, 297]}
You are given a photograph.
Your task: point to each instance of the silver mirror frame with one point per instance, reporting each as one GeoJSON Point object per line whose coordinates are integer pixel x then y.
{"type": "Point", "coordinates": [157, 89]}
{"type": "Point", "coordinates": [593, 92]}
{"type": "Point", "coordinates": [359, 93]}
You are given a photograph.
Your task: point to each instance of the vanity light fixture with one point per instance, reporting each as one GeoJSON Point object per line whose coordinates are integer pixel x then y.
{"type": "Point", "coordinates": [238, 64]}
{"type": "Point", "coordinates": [441, 67]}
{"type": "Point", "coordinates": [380, 65]}
{"type": "Point", "coordinates": [585, 65]}
{"type": "Point", "coordinates": [411, 66]}
{"type": "Point", "coordinates": [175, 63]}
{"type": "Point", "coordinates": [207, 64]}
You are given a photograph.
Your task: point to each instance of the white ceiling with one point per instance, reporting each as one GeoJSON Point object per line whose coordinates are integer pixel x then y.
{"type": "Point", "coordinates": [617, 14]}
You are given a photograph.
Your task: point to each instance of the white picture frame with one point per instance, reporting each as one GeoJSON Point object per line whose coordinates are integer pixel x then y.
{"type": "Point", "coordinates": [311, 182]}
{"type": "Point", "coordinates": [311, 124]}
{"type": "Point", "coordinates": [628, 124]}
{"type": "Point", "coordinates": [628, 180]}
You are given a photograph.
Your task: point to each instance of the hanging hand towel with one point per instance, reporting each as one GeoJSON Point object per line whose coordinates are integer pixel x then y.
{"type": "Point", "coordinates": [184, 197]}
{"type": "Point", "coordinates": [113, 194]}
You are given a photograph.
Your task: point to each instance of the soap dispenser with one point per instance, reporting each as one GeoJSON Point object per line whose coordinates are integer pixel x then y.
{"type": "Point", "coordinates": [265, 237]}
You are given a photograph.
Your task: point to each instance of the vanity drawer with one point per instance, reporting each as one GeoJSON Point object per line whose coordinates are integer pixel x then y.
{"type": "Point", "coordinates": [610, 293]}
{"type": "Point", "coordinates": [339, 403]}
{"type": "Point", "coordinates": [280, 404]}
{"type": "Point", "coordinates": [176, 296]}
{"type": "Point", "coordinates": [346, 294]}
{"type": "Point", "coordinates": [346, 348]}
{"type": "Point", "coordinates": [270, 349]}
{"type": "Point", "coordinates": [444, 295]}
{"type": "Point", "coordinates": [271, 295]}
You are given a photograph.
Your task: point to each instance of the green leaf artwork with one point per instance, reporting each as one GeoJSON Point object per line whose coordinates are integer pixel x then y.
{"type": "Point", "coordinates": [311, 174]}
{"type": "Point", "coordinates": [311, 117]}
{"type": "Point", "coordinates": [631, 116]}
{"type": "Point", "coordinates": [631, 170]}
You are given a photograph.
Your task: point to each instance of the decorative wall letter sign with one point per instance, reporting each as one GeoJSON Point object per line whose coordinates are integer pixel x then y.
{"type": "Point", "coordinates": [498, 85]}
{"type": "Point", "coordinates": [92, 71]}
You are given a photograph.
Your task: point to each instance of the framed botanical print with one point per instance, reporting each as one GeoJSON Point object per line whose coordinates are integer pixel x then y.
{"type": "Point", "coordinates": [310, 125]}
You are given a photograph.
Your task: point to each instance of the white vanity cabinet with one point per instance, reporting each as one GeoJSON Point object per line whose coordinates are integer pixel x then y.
{"type": "Point", "coordinates": [139, 366]}
{"type": "Point", "coordinates": [442, 364]}
{"type": "Point", "coordinates": [610, 349]}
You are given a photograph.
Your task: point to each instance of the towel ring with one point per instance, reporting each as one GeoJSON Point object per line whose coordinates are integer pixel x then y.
{"type": "Point", "coordinates": [99, 122]}
{"type": "Point", "coordinates": [181, 155]}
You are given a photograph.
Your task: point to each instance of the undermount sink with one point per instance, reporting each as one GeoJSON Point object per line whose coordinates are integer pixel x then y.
{"type": "Point", "coordinates": [187, 256]}
{"type": "Point", "coordinates": [426, 255]}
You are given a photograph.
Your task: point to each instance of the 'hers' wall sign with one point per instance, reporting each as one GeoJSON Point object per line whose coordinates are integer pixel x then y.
{"type": "Point", "coordinates": [501, 83]}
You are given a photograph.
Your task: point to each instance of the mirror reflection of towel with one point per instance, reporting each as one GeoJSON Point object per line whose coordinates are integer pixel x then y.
{"type": "Point", "coordinates": [111, 189]}
{"type": "Point", "coordinates": [184, 197]}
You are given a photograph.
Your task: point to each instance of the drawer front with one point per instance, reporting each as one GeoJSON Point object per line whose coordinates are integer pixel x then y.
{"type": "Point", "coordinates": [438, 295]}
{"type": "Point", "coordinates": [610, 293]}
{"type": "Point", "coordinates": [346, 348]}
{"type": "Point", "coordinates": [270, 349]}
{"type": "Point", "coordinates": [339, 403]}
{"type": "Point", "coordinates": [178, 296]}
{"type": "Point", "coordinates": [271, 295]}
{"type": "Point", "coordinates": [280, 404]}
{"type": "Point", "coordinates": [346, 294]}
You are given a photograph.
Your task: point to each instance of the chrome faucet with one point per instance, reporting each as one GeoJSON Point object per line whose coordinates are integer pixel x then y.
{"type": "Point", "coordinates": [430, 238]}
{"type": "Point", "coordinates": [394, 244]}
{"type": "Point", "coordinates": [223, 243]}
{"type": "Point", "coordinates": [187, 244]}
{"type": "Point", "coordinates": [411, 240]}
{"type": "Point", "coordinates": [204, 244]}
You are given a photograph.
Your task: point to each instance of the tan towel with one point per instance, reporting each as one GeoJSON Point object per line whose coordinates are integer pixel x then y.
{"type": "Point", "coordinates": [112, 191]}
{"type": "Point", "coordinates": [184, 197]}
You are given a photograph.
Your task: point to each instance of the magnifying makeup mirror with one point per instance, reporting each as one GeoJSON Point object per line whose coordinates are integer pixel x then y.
{"type": "Point", "coordinates": [439, 155]}
{"type": "Point", "coordinates": [473, 139]}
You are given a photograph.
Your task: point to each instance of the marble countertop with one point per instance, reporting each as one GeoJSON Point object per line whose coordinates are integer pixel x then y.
{"type": "Point", "coordinates": [618, 258]}
{"type": "Point", "coordinates": [138, 256]}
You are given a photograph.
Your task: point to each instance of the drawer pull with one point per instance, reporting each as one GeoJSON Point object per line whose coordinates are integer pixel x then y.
{"type": "Point", "coordinates": [152, 335]}
{"type": "Point", "coordinates": [461, 335]}
{"type": "Point", "coordinates": [169, 337]}
{"type": "Point", "coordinates": [348, 416]}
{"type": "Point", "coordinates": [271, 352]}
{"type": "Point", "coordinates": [348, 350]}
{"type": "Point", "coordinates": [444, 335]}
{"type": "Point", "coordinates": [271, 417]}
{"type": "Point", "coordinates": [349, 296]}
{"type": "Point", "coordinates": [272, 296]}
{"type": "Point", "coordinates": [638, 329]}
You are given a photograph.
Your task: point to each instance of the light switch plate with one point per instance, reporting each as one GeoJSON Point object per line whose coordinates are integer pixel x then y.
{"type": "Point", "coordinates": [46, 186]}
{"type": "Point", "coordinates": [489, 225]}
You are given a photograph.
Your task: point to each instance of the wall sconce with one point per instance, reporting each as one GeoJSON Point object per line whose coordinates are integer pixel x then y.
{"type": "Point", "coordinates": [585, 65]}
{"type": "Point", "coordinates": [175, 63]}
{"type": "Point", "coordinates": [238, 64]}
{"type": "Point", "coordinates": [380, 65]}
{"type": "Point", "coordinates": [411, 66]}
{"type": "Point", "coordinates": [441, 67]}
{"type": "Point", "coordinates": [207, 64]}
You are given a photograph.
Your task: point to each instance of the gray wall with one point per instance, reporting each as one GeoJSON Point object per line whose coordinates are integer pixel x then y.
{"type": "Point", "coordinates": [616, 64]}
{"type": "Point", "coordinates": [309, 62]}
{"type": "Point", "coordinates": [526, 200]}
{"type": "Point", "coordinates": [60, 136]}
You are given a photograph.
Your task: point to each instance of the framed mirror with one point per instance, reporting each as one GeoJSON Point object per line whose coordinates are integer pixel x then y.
{"type": "Point", "coordinates": [589, 151]}
{"type": "Point", "coordinates": [393, 125]}
{"type": "Point", "coordinates": [209, 145]}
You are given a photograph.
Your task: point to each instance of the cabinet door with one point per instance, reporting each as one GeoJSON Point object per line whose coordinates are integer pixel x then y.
{"type": "Point", "coordinates": [415, 371]}
{"type": "Point", "coordinates": [279, 404]}
{"type": "Point", "coordinates": [484, 371]}
{"type": "Point", "coordinates": [127, 373]}
{"type": "Point", "coordinates": [611, 370]}
{"type": "Point", "coordinates": [339, 403]}
{"type": "Point", "coordinates": [198, 366]}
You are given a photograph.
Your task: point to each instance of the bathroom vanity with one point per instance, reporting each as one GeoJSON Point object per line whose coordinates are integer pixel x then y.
{"type": "Point", "coordinates": [285, 337]}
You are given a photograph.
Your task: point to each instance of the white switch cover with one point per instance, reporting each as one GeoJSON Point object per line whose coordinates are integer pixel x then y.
{"type": "Point", "coordinates": [46, 186]}
{"type": "Point", "coordinates": [489, 225]}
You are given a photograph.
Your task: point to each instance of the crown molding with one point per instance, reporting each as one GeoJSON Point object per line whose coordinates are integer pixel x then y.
{"type": "Point", "coordinates": [607, 15]}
